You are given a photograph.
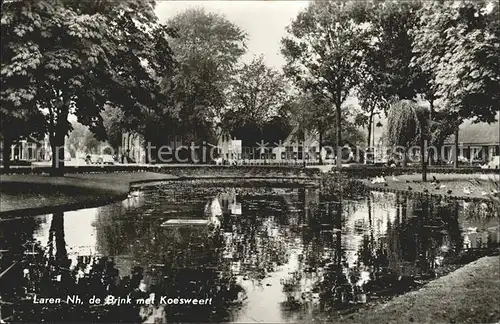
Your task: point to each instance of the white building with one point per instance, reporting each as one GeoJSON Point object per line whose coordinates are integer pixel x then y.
{"type": "Point", "coordinates": [30, 150]}
{"type": "Point", "coordinates": [133, 148]}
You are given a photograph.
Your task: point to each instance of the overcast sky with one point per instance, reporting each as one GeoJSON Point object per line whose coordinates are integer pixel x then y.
{"type": "Point", "coordinates": [264, 21]}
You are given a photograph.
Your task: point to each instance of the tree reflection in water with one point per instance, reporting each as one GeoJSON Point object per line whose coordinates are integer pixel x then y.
{"type": "Point", "coordinates": [46, 271]}
{"type": "Point", "coordinates": [423, 235]}
{"type": "Point", "coordinates": [337, 254]}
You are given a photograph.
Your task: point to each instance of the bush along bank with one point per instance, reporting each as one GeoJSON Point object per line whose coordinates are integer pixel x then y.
{"type": "Point", "coordinates": [339, 184]}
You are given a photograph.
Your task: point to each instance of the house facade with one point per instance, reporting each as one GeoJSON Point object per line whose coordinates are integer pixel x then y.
{"type": "Point", "coordinates": [297, 147]}
{"type": "Point", "coordinates": [30, 150]}
{"type": "Point", "coordinates": [478, 142]}
{"type": "Point", "coordinates": [177, 148]}
{"type": "Point", "coordinates": [26, 150]}
{"type": "Point", "coordinates": [132, 149]}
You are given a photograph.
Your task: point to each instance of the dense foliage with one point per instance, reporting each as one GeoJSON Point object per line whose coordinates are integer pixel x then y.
{"type": "Point", "coordinates": [65, 57]}
{"type": "Point", "coordinates": [256, 101]}
{"type": "Point", "coordinates": [325, 53]}
{"type": "Point", "coordinates": [117, 69]}
{"type": "Point", "coordinates": [207, 48]}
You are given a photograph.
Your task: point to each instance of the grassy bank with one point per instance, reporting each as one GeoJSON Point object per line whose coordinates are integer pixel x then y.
{"type": "Point", "coordinates": [37, 194]}
{"type": "Point", "coordinates": [464, 186]}
{"type": "Point", "coordinates": [470, 294]}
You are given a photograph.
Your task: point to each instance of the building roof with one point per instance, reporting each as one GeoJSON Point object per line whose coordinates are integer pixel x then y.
{"type": "Point", "coordinates": [478, 133]}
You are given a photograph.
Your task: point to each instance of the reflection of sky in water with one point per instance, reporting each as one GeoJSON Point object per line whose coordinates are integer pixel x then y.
{"type": "Point", "coordinates": [358, 223]}
{"type": "Point", "coordinates": [263, 300]}
{"type": "Point", "coordinates": [79, 232]}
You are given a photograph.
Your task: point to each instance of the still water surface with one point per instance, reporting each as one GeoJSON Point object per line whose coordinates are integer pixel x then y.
{"type": "Point", "coordinates": [264, 254]}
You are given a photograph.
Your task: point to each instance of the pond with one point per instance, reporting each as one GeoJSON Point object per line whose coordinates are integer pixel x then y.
{"type": "Point", "coordinates": [254, 255]}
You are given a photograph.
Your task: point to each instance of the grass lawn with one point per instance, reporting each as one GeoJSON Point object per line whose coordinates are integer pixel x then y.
{"type": "Point", "coordinates": [20, 193]}
{"type": "Point", "coordinates": [470, 294]}
{"type": "Point", "coordinates": [478, 184]}
{"type": "Point", "coordinates": [20, 200]}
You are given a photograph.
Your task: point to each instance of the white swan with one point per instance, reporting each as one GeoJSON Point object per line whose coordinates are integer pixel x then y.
{"type": "Point", "coordinates": [378, 179]}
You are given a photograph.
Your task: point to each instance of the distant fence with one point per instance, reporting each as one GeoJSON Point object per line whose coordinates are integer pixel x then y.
{"type": "Point", "coordinates": [372, 171]}
{"type": "Point", "coordinates": [178, 170]}
{"type": "Point", "coordinates": [192, 170]}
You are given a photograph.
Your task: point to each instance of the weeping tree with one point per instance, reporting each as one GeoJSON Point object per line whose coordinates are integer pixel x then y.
{"type": "Point", "coordinates": [408, 123]}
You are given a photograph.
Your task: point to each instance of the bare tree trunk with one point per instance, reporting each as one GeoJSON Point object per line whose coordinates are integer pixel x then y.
{"type": "Point", "coordinates": [321, 145]}
{"type": "Point", "coordinates": [57, 146]}
{"type": "Point", "coordinates": [455, 157]}
{"type": "Point", "coordinates": [370, 125]}
{"type": "Point", "coordinates": [339, 134]}
{"type": "Point", "coordinates": [370, 122]}
{"type": "Point", "coordinates": [58, 133]}
{"type": "Point", "coordinates": [147, 158]}
{"type": "Point", "coordinates": [423, 151]}
{"type": "Point", "coordinates": [431, 116]}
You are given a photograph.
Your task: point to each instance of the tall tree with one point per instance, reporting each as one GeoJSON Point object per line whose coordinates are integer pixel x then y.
{"type": "Point", "coordinates": [114, 124]}
{"type": "Point", "coordinates": [257, 94]}
{"type": "Point", "coordinates": [388, 72]}
{"type": "Point", "coordinates": [207, 48]}
{"type": "Point", "coordinates": [325, 52]}
{"type": "Point", "coordinates": [68, 57]}
{"type": "Point", "coordinates": [457, 44]}
{"type": "Point", "coordinates": [372, 105]}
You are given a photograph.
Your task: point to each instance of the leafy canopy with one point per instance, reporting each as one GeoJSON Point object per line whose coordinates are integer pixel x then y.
{"type": "Point", "coordinates": [458, 44]}
{"type": "Point", "coordinates": [325, 49]}
{"type": "Point", "coordinates": [67, 57]}
{"type": "Point", "coordinates": [207, 48]}
{"type": "Point", "coordinates": [256, 95]}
